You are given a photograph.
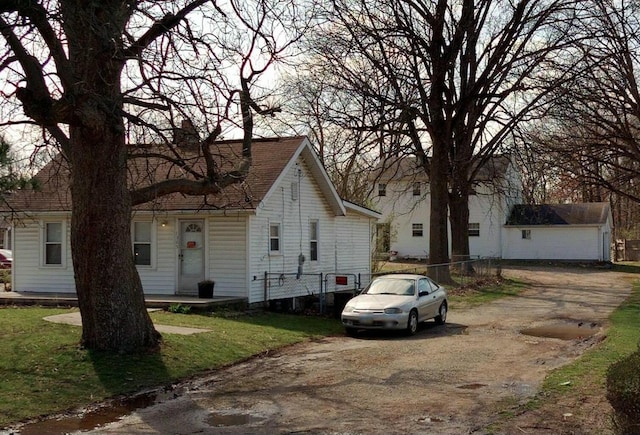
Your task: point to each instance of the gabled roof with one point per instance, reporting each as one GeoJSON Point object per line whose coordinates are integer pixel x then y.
{"type": "Point", "coordinates": [591, 213]}
{"type": "Point", "coordinates": [270, 160]}
{"type": "Point", "coordinates": [410, 168]}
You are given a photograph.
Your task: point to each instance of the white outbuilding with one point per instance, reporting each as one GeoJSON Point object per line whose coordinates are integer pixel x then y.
{"type": "Point", "coordinates": [575, 232]}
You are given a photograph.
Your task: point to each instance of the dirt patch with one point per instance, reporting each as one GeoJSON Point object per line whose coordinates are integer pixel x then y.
{"type": "Point", "coordinates": [562, 331]}
{"type": "Point", "coordinates": [458, 378]}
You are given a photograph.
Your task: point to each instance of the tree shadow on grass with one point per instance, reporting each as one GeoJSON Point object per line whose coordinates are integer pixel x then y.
{"type": "Point", "coordinates": [124, 373]}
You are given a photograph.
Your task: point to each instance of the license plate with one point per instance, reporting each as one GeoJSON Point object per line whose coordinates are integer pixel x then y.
{"type": "Point", "coordinates": [366, 320]}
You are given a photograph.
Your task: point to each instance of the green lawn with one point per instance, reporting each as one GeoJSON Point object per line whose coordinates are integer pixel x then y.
{"type": "Point", "coordinates": [481, 294]}
{"type": "Point", "coordinates": [42, 369]}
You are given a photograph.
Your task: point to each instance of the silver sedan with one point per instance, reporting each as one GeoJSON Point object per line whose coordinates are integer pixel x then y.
{"type": "Point", "coordinates": [396, 302]}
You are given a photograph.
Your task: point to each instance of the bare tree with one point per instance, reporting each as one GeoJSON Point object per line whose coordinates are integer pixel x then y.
{"type": "Point", "coordinates": [453, 76]}
{"type": "Point", "coordinates": [594, 132]}
{"type": "Point", "coordinates": [338, 121]}
{"type": "Point", "coordinates": [99, 77]}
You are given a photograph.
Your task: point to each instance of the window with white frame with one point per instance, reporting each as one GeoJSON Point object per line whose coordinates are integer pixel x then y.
{"type": "Point", "coordinates": [474, 229]}
{"type": "Point", "coordinates": [274, 238]}
{"type": "Point", "coordinates": [526, 234]}
{"type": "Point", "coordinates": [382, 189]}
{"type": "Point", "coordinates": [53, 243]}
{"type": "Point", "coordinates": [417, 230]}
{"type": "Point", "coordinates": [313, 240]}
{"type": "Point", "coordinates": [142, 238]}
{"type": "Point", "coordinates": [416, 188]}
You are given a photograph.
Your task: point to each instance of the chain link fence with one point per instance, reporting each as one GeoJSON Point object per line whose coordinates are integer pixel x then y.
{"type": "Point", "coordinates": [282, 289]}
{"type": "Point", "coordinates": [454, 274]}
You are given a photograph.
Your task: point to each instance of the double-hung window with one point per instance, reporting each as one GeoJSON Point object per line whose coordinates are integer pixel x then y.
{"type": "Point", "coordinates": [142, 238]}
{"type": "Point", "coordinates": [53, 243]}
{"type": "Point", "coordinates": [474, 229]}
{"type": "Point", "coordinates": [526, 234]}
{"type": "Point", "coordinates": [313, 240]}
{"type": "Point", "coordinates": [416, 189]}
{"type": "Point", "coordinates": [382, 189]}
{"type": "Point", "coordinates": [274, 238]}
{"type": "Point", "coordinates": [416, 230]}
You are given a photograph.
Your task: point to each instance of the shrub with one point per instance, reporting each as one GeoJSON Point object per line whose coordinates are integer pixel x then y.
{"type": "Point", "coordinates": [5, 276]}
{"type": "Point", "coordinates": [623, 393]}
{"type": "Point", "coordinates": [179, 309]}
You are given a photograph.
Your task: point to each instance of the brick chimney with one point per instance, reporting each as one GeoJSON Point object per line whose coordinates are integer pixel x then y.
{"type": "Point", "coordinates": [186, 136]}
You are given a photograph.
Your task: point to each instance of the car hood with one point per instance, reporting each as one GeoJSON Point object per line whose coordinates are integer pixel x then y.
{"type": "Point", "coordinates": [372, 302]}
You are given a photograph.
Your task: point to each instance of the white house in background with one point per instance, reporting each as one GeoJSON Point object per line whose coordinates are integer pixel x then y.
{"type": "Point", "coordinates": [402, 196]}
{"type": "Point", "coordinates": [286, 218]}
{"type": "Point", "coordinates": [559, 232]}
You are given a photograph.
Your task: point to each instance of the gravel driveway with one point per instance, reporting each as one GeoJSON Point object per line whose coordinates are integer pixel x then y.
{"type": "Point", "coordinates": [448, 379]}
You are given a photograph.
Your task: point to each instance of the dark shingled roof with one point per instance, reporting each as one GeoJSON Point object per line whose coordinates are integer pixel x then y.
{"type": "Point", "coordinates": [591, 213]}
{"type": "Point", "coordinates": [269, 158]}
{"type": "Point", "coordinates": [408, 167]}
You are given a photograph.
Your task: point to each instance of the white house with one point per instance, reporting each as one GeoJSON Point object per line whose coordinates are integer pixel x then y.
{"type": "Point", "coordinates": [402, 196]}
{"type": "Point", "coordinates": [559, 232]}
{"type": "Point", "coordinates": [285, 220]}
{"type": "Point", "coordinates": [499, 225]}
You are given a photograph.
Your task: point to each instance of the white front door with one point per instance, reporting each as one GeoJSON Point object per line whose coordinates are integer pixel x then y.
{"type": "Point", "coordinates": [191, 270]}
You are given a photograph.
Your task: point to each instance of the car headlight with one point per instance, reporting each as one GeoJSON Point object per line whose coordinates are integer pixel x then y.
{"type": "Point", "coordinates": [348, 309]}
{"type": "Point", "coordinates": [394, 310]}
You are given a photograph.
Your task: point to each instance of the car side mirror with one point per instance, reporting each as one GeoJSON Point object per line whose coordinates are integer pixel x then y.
{"type": "Point", "coordinates": [423, 293]}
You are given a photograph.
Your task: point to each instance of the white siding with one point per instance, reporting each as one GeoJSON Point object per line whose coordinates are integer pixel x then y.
{"type": "Point", "coordinates": [353, 244]}
{"type": "Point", "coordinates": [402, 209]}
{"type": "Point", "coordinates": [344, 241]}
{"type": "Point", "coordinates": [553, 243]}
{"type": "Point", "coordinates": [489, 208]}
{"type": "Point", "coordinates": [161, 277]}
{"type": "Point", "coordinates": [228, 255]}
{"type": "Point", "coordinates": [488, 211]}
{"type": "Point", "coordinates": [29, 275]}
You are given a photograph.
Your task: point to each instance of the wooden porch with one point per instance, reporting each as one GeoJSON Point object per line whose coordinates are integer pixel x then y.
{"type": "Point", "coordinates": [152, 301]}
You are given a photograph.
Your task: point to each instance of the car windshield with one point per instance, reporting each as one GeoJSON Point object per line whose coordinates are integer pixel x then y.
{"type": "Point", "coordinates": [391, 286]}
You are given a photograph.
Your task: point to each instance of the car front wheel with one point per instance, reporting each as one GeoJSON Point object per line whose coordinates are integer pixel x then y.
{"type": "Point", "coordinates": [412, 323]}
{"type": "Point", "coordinates": [441, 318]}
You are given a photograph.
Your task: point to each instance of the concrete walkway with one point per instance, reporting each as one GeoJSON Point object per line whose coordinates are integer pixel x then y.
{"type": "Point", "coordinates": [74, 319]}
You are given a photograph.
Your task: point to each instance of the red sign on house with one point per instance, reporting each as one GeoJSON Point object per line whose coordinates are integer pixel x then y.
{"type": "Point", "coordinates": [191, 245]}
{"type": "Point", "coordinates": [342, 280]}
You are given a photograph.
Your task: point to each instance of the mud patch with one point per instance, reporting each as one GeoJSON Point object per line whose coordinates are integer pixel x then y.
{"type": "Point", "coordinates": [218, 419]}
{"type": "Point", "coordinates": [563, 331]}
{"type": "Point", "coordinates": [88, 420]}
{"type": "Point", "coordinates": [474, 386]}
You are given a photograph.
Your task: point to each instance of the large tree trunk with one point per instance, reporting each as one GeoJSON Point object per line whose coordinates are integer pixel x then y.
{"type": "Point", "coordinates": [438, 237]}
{"type": "Point", "coordinates": [459, 219]}
{"type": "Point", "coordinates": [109, 290]}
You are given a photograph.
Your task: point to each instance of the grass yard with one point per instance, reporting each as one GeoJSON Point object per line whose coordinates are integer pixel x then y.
{"type": "Point", "coordinates": [42, 369]}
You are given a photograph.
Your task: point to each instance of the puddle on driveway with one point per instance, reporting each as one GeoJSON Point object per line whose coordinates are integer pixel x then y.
{"type": "Point", "coordinates": [217, 419]}
{"type": "Point", "coordinates": [90, 419]}
{"type": "Point", "coordinates": [563, 331]}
